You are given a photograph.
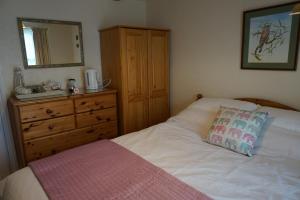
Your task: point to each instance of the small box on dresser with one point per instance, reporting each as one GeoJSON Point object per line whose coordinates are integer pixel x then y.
{"type": "Point", "coordinates": [47, 126]}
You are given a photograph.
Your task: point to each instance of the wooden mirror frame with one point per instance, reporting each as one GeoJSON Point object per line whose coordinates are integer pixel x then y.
{"type": "Point", "coordinates": [23, 49]}
{"type": "Point", "coordinates": [262, 102]}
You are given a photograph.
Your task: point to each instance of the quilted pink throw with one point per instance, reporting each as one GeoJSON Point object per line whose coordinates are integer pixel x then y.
{"type": "Point", "coordinates": [106, 170]}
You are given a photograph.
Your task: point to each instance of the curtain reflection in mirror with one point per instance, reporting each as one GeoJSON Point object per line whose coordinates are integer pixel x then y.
{"type": "Point", "coordinates": [40, 40]}
{"type": "Point", "coordinates": [37, 47]}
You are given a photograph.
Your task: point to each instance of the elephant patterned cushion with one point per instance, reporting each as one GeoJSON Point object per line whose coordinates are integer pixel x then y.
{"type": "Point", "coordinates": [237, 129]}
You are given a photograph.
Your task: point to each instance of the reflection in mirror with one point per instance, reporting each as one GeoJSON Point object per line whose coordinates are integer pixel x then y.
{"type": "Point", "coordinates": [49, 43]}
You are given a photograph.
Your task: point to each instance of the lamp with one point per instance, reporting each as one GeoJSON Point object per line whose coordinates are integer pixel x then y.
{"type": "Point", "coordinates": [296, 10]}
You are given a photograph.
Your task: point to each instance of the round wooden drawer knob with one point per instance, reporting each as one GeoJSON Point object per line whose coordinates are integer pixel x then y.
{"type": "Point", "coordinates": [50, 127]}
{"type": "Point", "coordinates": [91, 131]}
{"type": "Point", "coordinates": [98, 118]}
{"type": "Point", "coordinates": [49, 111]}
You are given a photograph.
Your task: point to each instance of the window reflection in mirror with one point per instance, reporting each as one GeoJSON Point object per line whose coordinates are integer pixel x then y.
{"type": "Point", "coordinates": [47, 43]}
{"type": "Point", "coordinates": [29, 45]}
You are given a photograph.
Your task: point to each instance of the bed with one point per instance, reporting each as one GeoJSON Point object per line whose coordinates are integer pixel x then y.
{"type": "Point", "coordinates": [177, 147]}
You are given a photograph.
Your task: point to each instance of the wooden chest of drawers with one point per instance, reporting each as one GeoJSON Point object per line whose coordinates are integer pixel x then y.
{"type": "Point", "coordinates": [45, 127]}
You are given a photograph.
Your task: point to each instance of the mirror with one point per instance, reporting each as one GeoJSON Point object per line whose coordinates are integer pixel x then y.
{"type": "Point", "coordinates": [50, 43]}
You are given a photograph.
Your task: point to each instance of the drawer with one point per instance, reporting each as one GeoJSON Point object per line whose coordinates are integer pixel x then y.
{"type": "Point", "coordinates": [46, 110]}
{"type": "Point", "coordinates": [95, 103]}
{"type": "Point", "coordinates": [96, 117]}
{"type": "Point", "coordinates": [42, 147]}
{"type": "Point", "coordinates": [47, 127]}
{"type": "Point", "coordinates": [107, 130]}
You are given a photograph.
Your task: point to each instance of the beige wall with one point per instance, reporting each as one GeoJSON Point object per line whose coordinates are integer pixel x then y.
{"type": "Point", "coordinates": [76, 50]}
{"type": "Point", "coordinates": [60, 40]}
{"type": "Point", "coordinates": [206, 52]}
{"type": "Point", "coordinates": [93, 14]}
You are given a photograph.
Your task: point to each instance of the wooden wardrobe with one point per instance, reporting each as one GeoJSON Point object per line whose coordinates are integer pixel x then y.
{"type": "Point", "coordinates": [137, 61]}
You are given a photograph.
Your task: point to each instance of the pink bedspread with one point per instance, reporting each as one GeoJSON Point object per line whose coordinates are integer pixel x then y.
{"type": "Point", "coordinates": [106, 170]}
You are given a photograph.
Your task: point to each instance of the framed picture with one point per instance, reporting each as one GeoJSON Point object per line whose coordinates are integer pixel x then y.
{"type": "Point", "coordinates": [270, 38]}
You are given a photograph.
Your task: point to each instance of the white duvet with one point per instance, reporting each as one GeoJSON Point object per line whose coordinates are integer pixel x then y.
{"type": "Point", "coordinates": [273, 173]}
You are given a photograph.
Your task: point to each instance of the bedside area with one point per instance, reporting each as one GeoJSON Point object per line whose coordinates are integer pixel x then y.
{"type": "Point", "coordinates": [47, 126]}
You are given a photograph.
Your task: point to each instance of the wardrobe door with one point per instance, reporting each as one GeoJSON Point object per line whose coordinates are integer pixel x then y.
{"type": "Point", "coordinates": [135, 81]}
{"type": "Point", "coordinates": [158, 75]}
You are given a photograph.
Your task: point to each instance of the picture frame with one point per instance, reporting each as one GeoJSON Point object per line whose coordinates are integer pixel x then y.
{"type": "Point", "coordinates": [270, 38]}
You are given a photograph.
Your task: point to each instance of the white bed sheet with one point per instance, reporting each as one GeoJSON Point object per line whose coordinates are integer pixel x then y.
{"type": "Point", "coordinates": [219, 173]}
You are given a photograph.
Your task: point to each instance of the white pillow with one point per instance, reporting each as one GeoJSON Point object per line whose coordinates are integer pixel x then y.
{"type": "Point", "coordinates": [198, 116]}
{"type": "Point", "coordinates": [214, 104]}
{"type": "Point", "coordinates": [277, 142]}
{"type": "Point", "coordinates": [286, 119]}
{"type": "Point", "coordinates": [281, 134]}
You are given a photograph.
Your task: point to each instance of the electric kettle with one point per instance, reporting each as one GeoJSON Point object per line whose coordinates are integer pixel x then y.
{"type": "Point", "coordinates": [91, 79]}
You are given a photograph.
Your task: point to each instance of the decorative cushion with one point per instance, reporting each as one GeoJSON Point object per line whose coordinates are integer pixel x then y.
{"type": "Point", "coordinates": [237, 129]}
{"type": "Point", "coordinates": [198, 116]}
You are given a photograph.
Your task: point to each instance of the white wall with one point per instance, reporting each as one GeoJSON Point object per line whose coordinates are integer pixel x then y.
{"type": "Point", "coordinates": [93, 14]}
{"type": "Point", "coordinates": [206, 52]}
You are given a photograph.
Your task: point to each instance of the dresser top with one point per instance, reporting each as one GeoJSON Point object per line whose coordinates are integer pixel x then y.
{"type": "Point", "coordinates": [134, 27]}
{"type": "Point", "coordinates": [83, 93]}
